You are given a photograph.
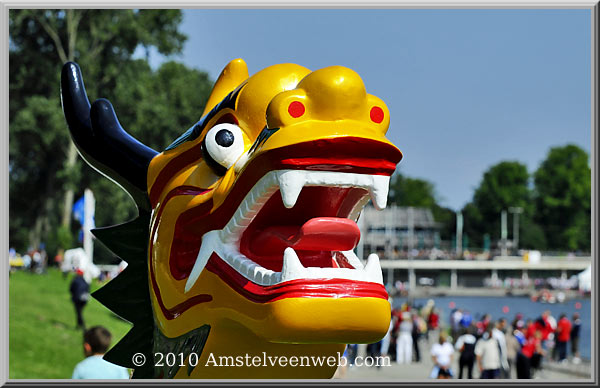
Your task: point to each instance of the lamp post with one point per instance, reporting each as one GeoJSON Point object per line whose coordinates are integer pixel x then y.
{"type": "Point", "coordinates": [503, 232]}
{"type": "Point", "coordinates": [459, 232]}
{"type": "Point", "coordinates": [412, 277]}
{"type": "Point", "coordinates": [389, 234]}
{"type": "Point", "coordinates": [516, 210]}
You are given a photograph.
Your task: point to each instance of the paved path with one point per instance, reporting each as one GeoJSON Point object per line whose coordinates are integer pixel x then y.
{"type": "Point", "coordinates": [421, 370]}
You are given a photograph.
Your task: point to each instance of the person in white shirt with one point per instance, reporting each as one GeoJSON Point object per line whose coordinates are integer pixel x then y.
{"type": "Point", "coordinates": [404, 340]}
{"type": "Point", "coordinates": [487, 351]}
{"type": "Point", "coordinates": [442, 353]}
{"type": "Point", "coordinates": [498, 334]}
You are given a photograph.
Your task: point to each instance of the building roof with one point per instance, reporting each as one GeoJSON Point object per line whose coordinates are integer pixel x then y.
{"type": "Point", "coordinates": [398, 217]}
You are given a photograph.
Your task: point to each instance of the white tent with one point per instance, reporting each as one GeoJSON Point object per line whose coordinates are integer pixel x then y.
{"type": "Point", "coordinates": [77, 258]}
{"type": "Point", "coordinates": [585, 279]}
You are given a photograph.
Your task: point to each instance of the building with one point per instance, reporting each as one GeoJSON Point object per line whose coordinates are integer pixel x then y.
{"type": "Point", "coordinates": [398, 232]}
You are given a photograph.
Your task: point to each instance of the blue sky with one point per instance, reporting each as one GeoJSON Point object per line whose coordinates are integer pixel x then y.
{"type": "Point", "coordinates": [466, 88]}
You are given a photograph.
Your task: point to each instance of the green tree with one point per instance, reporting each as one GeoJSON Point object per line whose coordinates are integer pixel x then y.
{"type": "Point", "coordinates": [155, 107]}
{"type": "Point", "coordinates": [45, 174]}
{"type": "Point", "coordinates": [36, 150]}
{"type": "Point", "coordinates": [563, 198]}
{"type": "Point", "coordinates": [504, 185]}
{"type": "Point", "coordinates": [473, 224]}
{"type": "Point", "coordinates": [407, 191]}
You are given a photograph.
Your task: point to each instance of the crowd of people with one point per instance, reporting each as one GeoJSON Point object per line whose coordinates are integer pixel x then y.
{"type": "Point", "coordinates": [34, 260]}
{"type": "Point", "coordinates": [503, 350]}
{"type": "Point", "coordinates": [496, 349]}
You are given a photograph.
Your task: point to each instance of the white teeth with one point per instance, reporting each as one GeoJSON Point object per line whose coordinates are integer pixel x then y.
{"type": "Point", "coordinates": [290, 186]}
{"type": "Point", "coordinates": [373, 268]}
{"type": "Point", "coordinates": [210, 243]}
{"type": "Point", "coordinates": [291, 183]}
{"type": "Point", "coordinates": [353, 260]}
{"type": "Point", "coordinates": [355, 213]}
{"type": "Point", "coordinates": [225, 242]}
{"type": "Point", "coordinates": [379, 191]}
{"type": "Point", "coordinates": [292, 267]}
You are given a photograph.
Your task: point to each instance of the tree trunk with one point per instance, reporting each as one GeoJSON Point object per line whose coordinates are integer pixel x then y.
{"type": "Point", "coordinates": [69, 193]}
{"type": "Point", "coordinates": [73, 19]}
{"type": "Point", "coordinates": [35, 234]}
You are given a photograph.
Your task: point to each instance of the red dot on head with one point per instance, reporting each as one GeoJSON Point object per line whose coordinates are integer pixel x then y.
{"type": "Point", "coordinates": [296, 109]}
{"type": "Point", "coordinates": [376, 114]}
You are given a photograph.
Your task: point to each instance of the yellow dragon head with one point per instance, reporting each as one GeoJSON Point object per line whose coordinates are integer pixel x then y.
{"type": "Point", "coordinates": [244, 243]}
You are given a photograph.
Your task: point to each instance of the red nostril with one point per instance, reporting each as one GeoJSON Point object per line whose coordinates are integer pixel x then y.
{"type": "Point", "coordinates": [376, 114]}
{"type": "Point", "coordinates": [296, 109]}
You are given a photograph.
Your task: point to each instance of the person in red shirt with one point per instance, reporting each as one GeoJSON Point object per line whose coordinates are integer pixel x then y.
{"type": "Point", "coordinates": [434, 319]}
{"type": "Point", "coordinates": [538, 352]}
{"type": "Point", "coordinates": [529, 357]}
{"type": "Point", "coordinates": [529, 329]}
{"type": "Point", "coordinates": [563, 335]}
{"type": "Point", "coordinates": [542, 325]}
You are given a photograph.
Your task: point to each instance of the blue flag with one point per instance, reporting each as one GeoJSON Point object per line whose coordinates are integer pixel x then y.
{"type": "Point", "coordinates": [79, 210]}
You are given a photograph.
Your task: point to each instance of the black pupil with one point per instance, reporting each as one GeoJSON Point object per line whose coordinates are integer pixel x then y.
{"type": "Point", "coordinates": [224, 138]}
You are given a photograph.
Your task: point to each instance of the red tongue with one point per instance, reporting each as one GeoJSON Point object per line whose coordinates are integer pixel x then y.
{"type": "Point", "coordinates": [317, 234]}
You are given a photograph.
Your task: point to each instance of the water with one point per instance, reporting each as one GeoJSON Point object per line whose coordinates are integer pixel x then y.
{"type": "Point", "coordinates": [478, 306]}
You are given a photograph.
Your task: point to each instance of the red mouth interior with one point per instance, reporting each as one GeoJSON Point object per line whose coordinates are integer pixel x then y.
{"type": "Point", "coordinates": [317, 228]}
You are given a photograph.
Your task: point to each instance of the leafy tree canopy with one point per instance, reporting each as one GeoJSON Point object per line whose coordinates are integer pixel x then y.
{"type": "Point", "coordinates": [154, 106]}
{"type": "Point", "coordinates": [563, 197]}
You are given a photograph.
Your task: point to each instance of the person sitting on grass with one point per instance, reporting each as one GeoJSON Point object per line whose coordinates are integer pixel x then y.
{"type": "Point", "coordinates": [96, 342]}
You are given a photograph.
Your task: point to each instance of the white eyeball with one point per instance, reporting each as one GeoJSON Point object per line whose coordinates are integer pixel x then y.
{"type": "Point", "coordinates": [225, 144]}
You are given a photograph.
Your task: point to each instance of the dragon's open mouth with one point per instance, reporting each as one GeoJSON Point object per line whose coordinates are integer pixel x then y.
{"type": "Point", "coordinates": [298, 225]}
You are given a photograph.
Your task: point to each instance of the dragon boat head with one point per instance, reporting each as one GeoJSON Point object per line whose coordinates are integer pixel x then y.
{"type": "Point", "coordinates": [250, 217]}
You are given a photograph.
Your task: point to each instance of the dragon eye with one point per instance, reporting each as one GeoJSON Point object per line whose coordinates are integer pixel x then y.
{"type": "Point", "coordinates": [223, 145]}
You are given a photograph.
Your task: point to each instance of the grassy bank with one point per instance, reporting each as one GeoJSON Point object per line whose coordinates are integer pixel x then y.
{"type": "Point", "coordinates": [43, 341]}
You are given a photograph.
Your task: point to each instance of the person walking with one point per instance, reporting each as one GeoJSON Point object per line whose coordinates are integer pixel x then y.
{"type": "Point", "coordinates": [563, 335]}
{"type": "Point", "coordinates": [80, 293]}
{"type": "Point", "coordinates": [416, 335]}
{"type": "Point", "coordinates": [538, 353]}
{"type": "Point", "coordinates": [487, 351]}
{"type": "Point", "coordinates": [575, 329]}
{"type": "Point", "coordinates": [498, 332]}
{"type": "Point", "coordinates": [548, 334]}
{"type": "Point", "coordinates": [513, 347]}
{"type": "Point", "coordinates": [524, 354]}
{"type": "Point", "coordinates": [529, 356]}
{"type": "Point", "coordinates": [465, 344]}
{"type": "Point", "coordinates": [404, 340]}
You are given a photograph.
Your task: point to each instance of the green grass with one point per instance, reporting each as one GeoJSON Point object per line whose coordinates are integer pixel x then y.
{"type": "Point", "coordinates": [43, 341]}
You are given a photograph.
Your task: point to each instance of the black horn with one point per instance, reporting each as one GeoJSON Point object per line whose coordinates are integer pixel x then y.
{"type": "Point", "coordinates": [100, 139]}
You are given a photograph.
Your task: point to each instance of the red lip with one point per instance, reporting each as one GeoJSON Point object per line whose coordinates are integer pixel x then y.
{"type": "Point", "coordinates": [300, 288]}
